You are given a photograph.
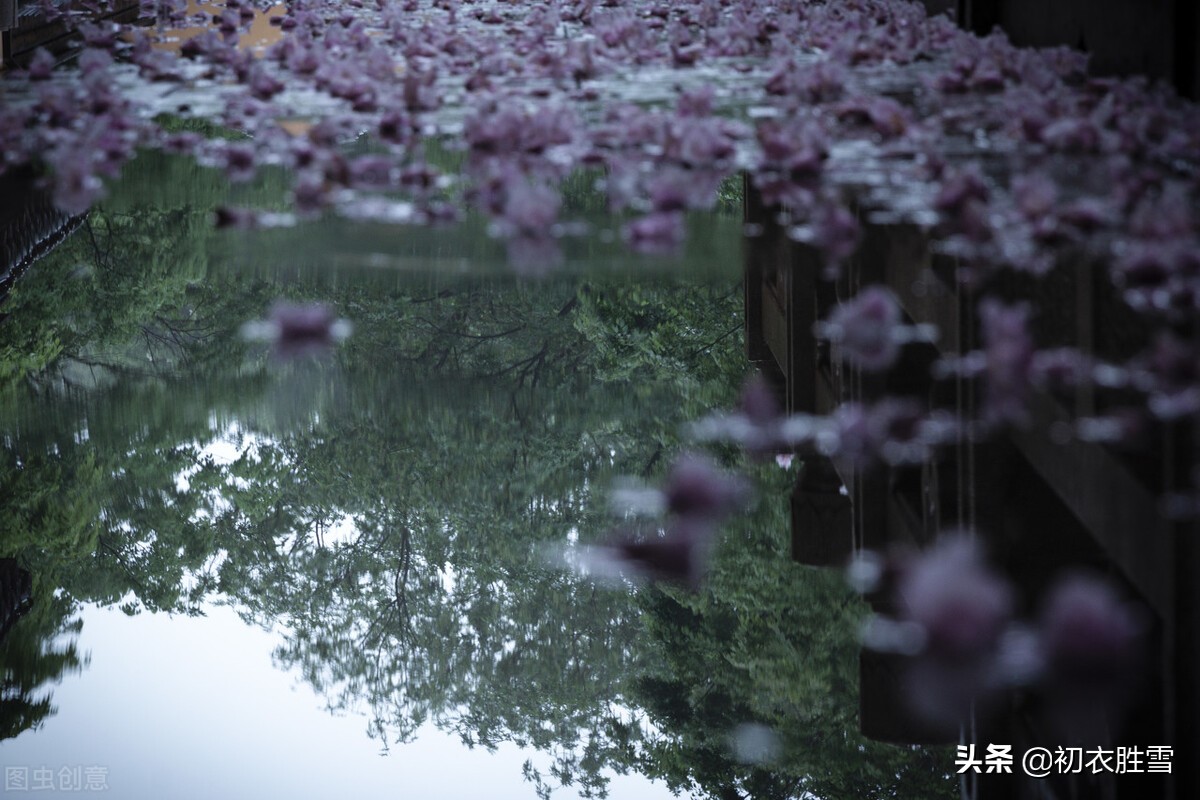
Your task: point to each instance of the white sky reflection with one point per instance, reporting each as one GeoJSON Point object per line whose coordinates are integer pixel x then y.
{"type": "Point", "coordinates": [193, 708]}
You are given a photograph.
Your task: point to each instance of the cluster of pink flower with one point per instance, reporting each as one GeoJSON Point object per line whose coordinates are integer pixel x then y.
{"type": "Point", "coordinates": [696, 498]}
{"type": "Point", "coordinates": [893, 430]}
{"type": "Point", "coordinates": [296, 330]}
{"type": "Point", "coordinates": [1105, 167]}
{"type": "Point", "coordinates": [516, 68]}
{"type": "Point", "coordinates": [954, 620]}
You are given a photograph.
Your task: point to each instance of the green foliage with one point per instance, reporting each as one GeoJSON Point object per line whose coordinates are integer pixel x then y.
{"type": "Point", "coordinates": [638, 337]}
{"type": "Point", "coordinates": [392, 506]}
{"type": "Point", "coordinates": [51, 505]}
{"type": "Point", "coordinates": [120, 294]}
{"type": "Point", "coordinates": [171, 123]}
{"type": "Point", "coordinates": [773, 643]}
{"type": "Point", "coordinates": [39, 650]}
{"type": "Point", "coordinates": [731, 196]}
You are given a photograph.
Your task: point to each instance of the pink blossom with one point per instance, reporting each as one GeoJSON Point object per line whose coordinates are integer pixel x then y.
{"type": "Point", "coordinates": [1170, 374]}
{"type": "Point", "coordinates": [866, 329]}
{"type": "Point", "coordinates": [660, 232]}
{"type": "Point", "coordinates": [696, 487]}
{"type": "Point", "coordinates": [41, 65]}
{"type": "Point", "coordinates": [396, 127]}
{"type": "Point", "coordinates": [1008, 356]}
{"type": "Point", "coordinates": [960, 190]}
{"type": "Point", "coordinates": [1086, 652]}
{"type": "Point", "coordinates": [297, 330]}
{"type": "Point", "coordinates": [798, 149]}
{"type": "Point", "coordinates": [680, 553]}
{"type": "Point", "coordinates": [759, 402]}
{"type": "Point", "coordinates": [530, 209]}
{"type": "Point", "coordinates": [1074, 134]}
{"type": "Point", "coordinates": [888, 118]}
{"type": "Point", "coordinates": [961, 605]}
{"type": "Point", "coordinates": [836, 231]}
{"type": "Point", "coordinates": [239, 161]}
{"type": "Point", "coordinates": [1035, 195]}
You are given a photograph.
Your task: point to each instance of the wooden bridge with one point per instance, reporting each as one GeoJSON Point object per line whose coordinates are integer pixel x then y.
{"type": "Point", "coordinates": [30, 225]}
{"type": "Point", "coordinates": [1042, 504]}
{"type": "Point", "coordinates": [1043, 500]}
{"type": "Point", "coordinates": [24, 27]}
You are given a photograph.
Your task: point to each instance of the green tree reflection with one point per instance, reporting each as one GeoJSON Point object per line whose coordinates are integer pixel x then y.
{"type": "Point", "coordinates": [389, 507]}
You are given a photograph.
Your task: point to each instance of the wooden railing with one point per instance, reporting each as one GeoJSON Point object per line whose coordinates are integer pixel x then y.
{"type": "Point", "coordinates": [1155, 38]}
{"type": "Point", "coordinates": [30, 225]}
{"type": "Point", "coordinates": [24, 28]}
{"type": "Point", "coordinates": [1042, 503]}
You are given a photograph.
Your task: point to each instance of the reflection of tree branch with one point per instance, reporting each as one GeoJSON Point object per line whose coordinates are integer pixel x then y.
{"type": "Point", "coordinates": [399, 603]}
{"type": "Point", "coordinates": [401, 584]}
{"type": "Point", "coordinates": [116, 554]}
{"type": "Point", "coordinates": [124, 369]}
{"type": "Point", "coordinates": [479, 336]}
{"type": "Point", "coordinates": [149, 345]}
{"type": "Point", "coordinates": [537, 369]}
{"type": "Point", "coordinates": [708, 346]}
{"type": "Point", "coordinates": [654, 457]}
{"type": "Point", "coordinates": [524, 365]}
{"type": "Point", "coordinates": [178, 335]}
{"type": "Point", "coordinates": [147, 331]}
{"type": "Point", "coordinates": [517, 413]}
{"type": "Point", "coordinates": [101, 255]}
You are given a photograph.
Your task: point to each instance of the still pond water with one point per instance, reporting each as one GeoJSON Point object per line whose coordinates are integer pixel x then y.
{"type": "Point", "coordinates": [333, 568]}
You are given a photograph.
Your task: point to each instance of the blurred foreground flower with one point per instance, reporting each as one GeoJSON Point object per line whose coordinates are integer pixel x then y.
{"type": "Point", "coordinates": [756, 425]}
{"type": "Point", "coordinates": [870, 329]}
{"type": "Point", "coordinates": [697, 496]}
{"type": "Point", "coordinates": [951, 613]}
{"type": "Point", "coordinates": [1087, 637]}
{"type": "Point", "coordinates": [1009, 356]}
{"type": "Point", "coordinates": [957, 601]}
{"type": "Point", "coordinates": [698, 489]}
{"type": "Point", "coordinates": [295, 330]}
{"type": "Point", "coordinates": [680, 553]}
{"type": "Point", "coordinates": [952, 622]}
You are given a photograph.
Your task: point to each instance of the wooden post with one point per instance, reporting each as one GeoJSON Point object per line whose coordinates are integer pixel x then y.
{"type": "Point", "coordinates": [979, 16]}
{"type": "Point", "coordinates": [759, 246]}
{"type": "Point", "coordinates": [804, 265]}
{"type": "Point", "coordinates": [1186, 26]}
{"type": "Point", "coordinates": [1183, 699]}
{"type": "Point", "coordinates": [822, 523]}
{"type": "Point", "coordinates": [885, 713]}
{"type": "Point", "coordinates": [8, 21]}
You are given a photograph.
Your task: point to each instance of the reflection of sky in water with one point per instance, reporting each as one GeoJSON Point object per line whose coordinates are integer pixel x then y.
{"type": "Point", "coordinates": [192, 708]}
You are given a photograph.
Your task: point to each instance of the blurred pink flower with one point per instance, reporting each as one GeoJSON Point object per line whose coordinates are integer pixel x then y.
{"type": "Point", "coordinates": [962, 606]}
{"type": "Point", "coordinates": [661, 232]}
{"type": "Point", "coordinates": [698, 488]}
{"type": "Point", "coordinates": [1087, 634]}
{"type": "Point", "coordinates": [867, 329]}
{"type": "Point", "coordinates": [295, 330]}
{"type": "Point", "coordinates": [1009, 356]}
{"type": "Point", "coordinates": [680, 553]}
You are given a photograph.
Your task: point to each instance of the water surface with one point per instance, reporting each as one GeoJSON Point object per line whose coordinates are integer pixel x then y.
{"type": "Point", "coordinates": [334, 567]}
